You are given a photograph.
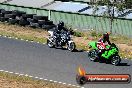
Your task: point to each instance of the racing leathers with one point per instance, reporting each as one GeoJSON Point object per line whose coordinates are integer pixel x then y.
{"type": "Point", "coordinates": [57, 33]}
{"type": "Point", "coordinates": [101, 44]}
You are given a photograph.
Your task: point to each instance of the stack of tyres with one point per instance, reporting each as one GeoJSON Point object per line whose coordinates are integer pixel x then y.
{"type": "Point", "coordinates": [18, 13]}
{"type": "Point", "coordinates": [38, 21]}
{"type": "Point", "coordinates": [45, 18]}
{"type": "Point", "coordinates": [18, 16]}
{"type": "Point", "coordinates": [33, 23]}
{"type": "Point", "coordinates": [28, 16]}
{"type": "Point", "coordinates": [11, 18]}
{"type": "Point", "coordinates": [44, 22]}
{"type": "Point", "coordinates": [2, 19]}
{"type": "Point", "coordinates": [48, 25]}
{"type": "Point", "coordinates": [41, 22]}
{"type": "Point", "coordinates": [23, 19]}
{"type": "Point", "coordinates": [4, 14]}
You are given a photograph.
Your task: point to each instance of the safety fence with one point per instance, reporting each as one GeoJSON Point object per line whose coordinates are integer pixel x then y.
{"type": "Point", "coordinates": [79, 21]}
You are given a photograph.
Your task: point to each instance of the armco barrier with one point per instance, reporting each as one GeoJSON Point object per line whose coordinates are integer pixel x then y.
{"type": "Point", "coordinates": [79, 21]}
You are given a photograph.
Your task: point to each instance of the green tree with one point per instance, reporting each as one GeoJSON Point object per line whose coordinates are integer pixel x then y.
{"type": "Point", "coordinates": [112, 5]}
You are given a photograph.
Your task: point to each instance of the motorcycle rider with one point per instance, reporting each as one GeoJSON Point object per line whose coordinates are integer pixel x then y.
{"type": "Point", "coordinates": [102, 42]}
{"type": "Point", "coordinates": [60, 27]}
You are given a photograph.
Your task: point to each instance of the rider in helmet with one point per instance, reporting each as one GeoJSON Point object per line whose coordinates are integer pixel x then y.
{"type": "Point", "coordinates": [57, 32]}
{"type": "Point", "coordinates": [59, 27]}
{"type": "Point", "coordinates": [101, 42]}
{"type": "Point", "coordinates": [105, 38]}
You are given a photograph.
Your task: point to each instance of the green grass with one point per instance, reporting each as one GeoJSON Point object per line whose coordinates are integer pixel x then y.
{"type": "Point", "coordinates": [78, 34]}
{"type": "Point", "coordinates": [35, 83]}
{"type": "Point", "coordinates": [25, 37]}
{"type": "Point", "coordinates": [15, 77]}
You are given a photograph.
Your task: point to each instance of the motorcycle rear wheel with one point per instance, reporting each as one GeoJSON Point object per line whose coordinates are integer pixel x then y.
{"type": "Point", "coordinates": [71, 46]}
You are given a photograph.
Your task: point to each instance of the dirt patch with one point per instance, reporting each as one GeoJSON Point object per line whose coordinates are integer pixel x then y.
{"type": "Point", "coordinates": [126, 48]}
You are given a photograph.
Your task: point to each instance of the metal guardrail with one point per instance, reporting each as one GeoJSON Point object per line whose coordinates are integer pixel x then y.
{"type": "Point", "coordinates": [79, 21]}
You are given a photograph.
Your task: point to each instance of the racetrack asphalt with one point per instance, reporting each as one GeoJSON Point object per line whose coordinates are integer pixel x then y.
{"type": "Point", "coordinates": [55, 64]}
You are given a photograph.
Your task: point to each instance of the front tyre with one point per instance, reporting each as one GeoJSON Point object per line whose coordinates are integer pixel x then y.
{"type": "Point", "coordinates": [92, 55]}
{"type": "Point", "coordinates": [115, 60]}
{"type": "Point", "coordinates": [50, 44]}
{"type": "Point", "coordinates": [71, 46]}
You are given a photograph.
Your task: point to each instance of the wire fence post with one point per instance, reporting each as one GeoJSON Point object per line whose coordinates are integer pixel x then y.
{"type": "Point", "coordinates": [49, 15]}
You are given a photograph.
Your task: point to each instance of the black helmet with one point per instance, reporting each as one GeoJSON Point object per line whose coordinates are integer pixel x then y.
{"type": "Point", "coordinates": [61, 23]}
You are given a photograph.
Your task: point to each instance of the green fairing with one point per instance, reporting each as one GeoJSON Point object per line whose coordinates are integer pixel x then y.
{"type": "Point", "coordinates": [93, 45]}
{"type": "Point", "coordinates": [109, 53]}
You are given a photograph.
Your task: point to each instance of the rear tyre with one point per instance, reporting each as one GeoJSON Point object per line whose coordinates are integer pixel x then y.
{"type": "Point", "coordinates": [40, 17]}
{"type": "Point", "coordinates": [10, 16]}
{"type": "Point", "coordinates": [18, 13]}
{"type": "Point", "coordinates": [12, 21]}
{"type": "Point", "coordinates": [115, 60]}
{"type": "Point", "coordinates": [2, 19]}
{"type": "Point", "coordinates": [6, 12]}
{"type": "Point", "coordinates": [28, 15]}
{"type": "Point", "coordinates": [23, 22]}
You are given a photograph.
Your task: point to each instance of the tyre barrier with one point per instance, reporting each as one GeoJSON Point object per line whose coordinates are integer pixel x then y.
{"type": "Point", "coordinates": [1, 15]}
{"type": "Point", "coordinates": [18, 13]}
{"type": "Point", "coordinates": [23, 19]}
{"type": "Point", "coordinates": [28, 16]}
{"type": "Point", "coordinates": [9, 16]}
{"type": "Point", "coordinates": [24, 22]}
{"type": "Point", "coordinates": [40, 17]}
{"type": "Point", "coordinates": [2, 19]}
{"type": "Point", "coordinates": [6, 12]}
{"type": "Point", "coordinates": [12, 21]}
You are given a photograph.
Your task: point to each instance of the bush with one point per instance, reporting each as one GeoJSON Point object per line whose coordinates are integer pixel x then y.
{"type": "Point", "coordinates": [78, 34]}
{"type": "Point", "coordinates": [95, 34]}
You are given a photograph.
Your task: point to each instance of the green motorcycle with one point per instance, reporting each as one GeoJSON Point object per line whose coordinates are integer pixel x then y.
{"type": "Point", "coordinates": [109, 55]}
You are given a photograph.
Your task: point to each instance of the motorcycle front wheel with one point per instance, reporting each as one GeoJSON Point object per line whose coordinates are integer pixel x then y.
{"type": "Point", "coordinates": [115, 60]}
{"type": "Point", "coordinates": [92, 55]}
{"type": "Point", "coordinates": [71, 46]}
{"type": "Point", "coordinates": [50, 44]}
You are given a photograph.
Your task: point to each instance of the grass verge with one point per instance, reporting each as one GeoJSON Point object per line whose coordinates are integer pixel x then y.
{"type": "Point", "coordinates": [25, 37]}
{"type": "Point", "coordinates": [15, 81]}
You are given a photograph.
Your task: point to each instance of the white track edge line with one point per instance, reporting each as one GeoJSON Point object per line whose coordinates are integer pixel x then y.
{"type": "Point", "coordinates": [26, 75]}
